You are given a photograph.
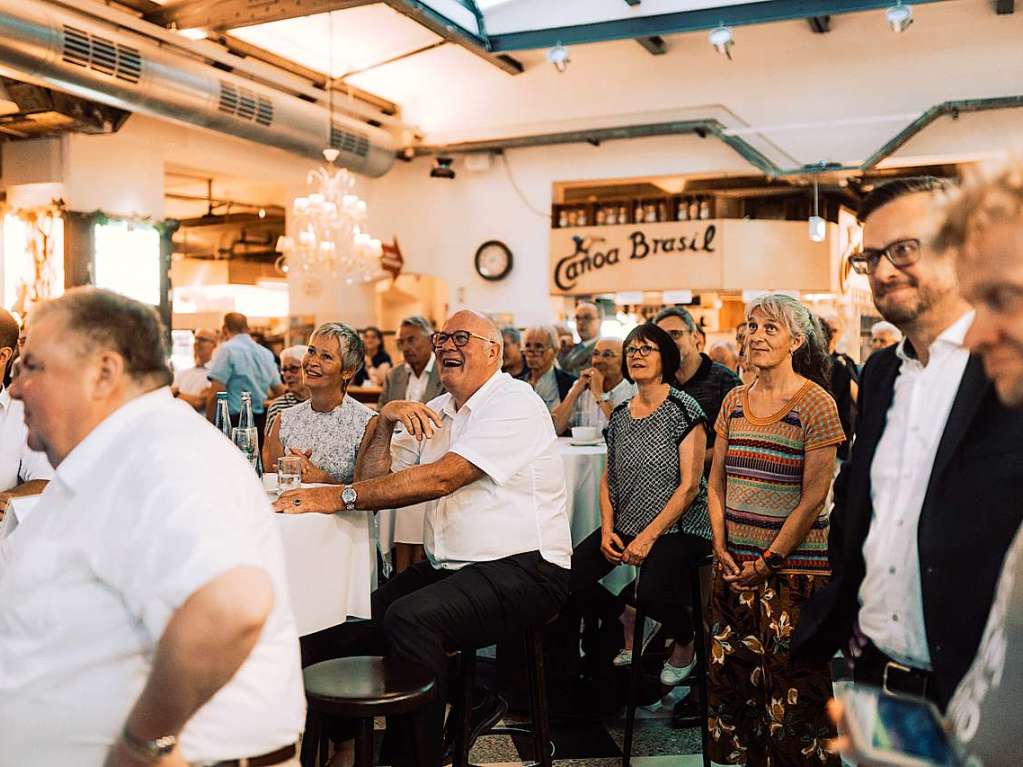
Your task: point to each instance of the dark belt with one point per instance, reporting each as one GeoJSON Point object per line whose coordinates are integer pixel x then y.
{"type": "Point", "coordinates": [264, 760]}
{"type": "Point", "coordinates": [895, 678]}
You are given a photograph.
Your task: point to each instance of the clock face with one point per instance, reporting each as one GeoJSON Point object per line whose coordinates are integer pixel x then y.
{"type": "Point", "coordinates": [493, 260]}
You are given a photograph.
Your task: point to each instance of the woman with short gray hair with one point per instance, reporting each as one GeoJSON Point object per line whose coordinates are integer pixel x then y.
{"type": "Point", "coordinates": [327, 430]}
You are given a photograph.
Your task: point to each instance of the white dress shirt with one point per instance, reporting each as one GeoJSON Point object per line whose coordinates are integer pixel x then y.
{"type": "Point", "coordinates": [505, 430]}
{"type": "Point", "coordinates": [151, 506]}
{"type": "Point", "coordinates": [416, 387]}
{"type": "Point", "coordinates": [891, 604]}
{"type": "Point", "coordinates": [192, 381]}
{"type": "Point", "coordinates": [18, 463]}
{"type": "Point", "coordinates": [588, 413]}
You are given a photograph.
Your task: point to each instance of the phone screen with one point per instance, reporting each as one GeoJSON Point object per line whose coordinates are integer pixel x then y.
{"type": "Point", "coordinates": [902, 726]}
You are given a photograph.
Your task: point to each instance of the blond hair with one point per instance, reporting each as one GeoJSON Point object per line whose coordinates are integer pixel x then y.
{"type": "Point", "coordinates": [988, 197]}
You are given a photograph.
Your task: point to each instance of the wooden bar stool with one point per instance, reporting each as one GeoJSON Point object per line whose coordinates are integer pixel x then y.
{"type": "Point", "coordinates": [539, 727]}
{"type": "Point", "coordinates": [358, 688]}
{"type": "Point", "coordinates": [698, 677]}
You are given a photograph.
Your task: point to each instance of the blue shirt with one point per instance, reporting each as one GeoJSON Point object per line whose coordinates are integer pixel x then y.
{"type": "Point", "coordinates": [241, 364]}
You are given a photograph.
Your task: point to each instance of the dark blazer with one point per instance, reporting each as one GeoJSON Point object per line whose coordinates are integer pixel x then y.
{"type": "Point", "coordinates": [971, 510]}
{"type": "Point", "coordinates": [397, 382]}
{"type": "Point", "coordinates": [565, 381]}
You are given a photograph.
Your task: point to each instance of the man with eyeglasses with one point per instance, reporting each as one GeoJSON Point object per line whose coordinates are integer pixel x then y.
{"type": "Point", "coordinates": [920, 524]}
{"type": "Point", "coordinates": [549, 381]}
{"type": "Point", "coordinates": [294, 381]}
{"type": "Point", "coordinates": [192, 385]}
{"type": "Point", "coordinates": [587, 325]}
{"type": "Point", "coordinates": [597, 391]}
{"type": "Point", "coordinates": [484, 456]}
{"type": "Point", "coordinates": [698, 375]}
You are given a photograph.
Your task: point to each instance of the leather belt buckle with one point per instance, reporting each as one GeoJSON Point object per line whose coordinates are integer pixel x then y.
{"type": "Point", "coordinates": [908, 678]}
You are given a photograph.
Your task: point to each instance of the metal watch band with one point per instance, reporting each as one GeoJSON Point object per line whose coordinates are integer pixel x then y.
{"type": "Point", "coordinates": [154, 749]}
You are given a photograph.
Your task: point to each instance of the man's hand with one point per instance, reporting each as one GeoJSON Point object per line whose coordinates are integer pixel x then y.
{"type": "Point", "coordinates": [120, 755]}
{"type": "Point", "coordinates": [636, 552]}
{"type": "Point", "coordinates": [5, 498]}
{"type": "Point", "coordinates": [419, 420]}
{"type": "Point", "coordinates": [596, 380]}
{"type": "Point", "coordinates": [323, 500]}
{"type": "Point", "coordinates": [611, 547]}
{"type": "Point", "coordinates": [310, 474]}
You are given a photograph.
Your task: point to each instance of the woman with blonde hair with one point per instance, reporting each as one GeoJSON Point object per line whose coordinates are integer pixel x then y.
{"type": "Point", "coordinates": [772, 467]}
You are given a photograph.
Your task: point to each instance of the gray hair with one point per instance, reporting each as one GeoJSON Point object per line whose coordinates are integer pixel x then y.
{"type": "Point", "coordinates": [548, 330]}
{"type": "Point", "coordinates": [676, 311]}
{"type": "Point", "coordinates": [419, 321]}
{"type": "Point", "coordinates": [353, 352]}
{"type": "Point", "coordinates": [811, 359]}
{"type": "Point", "coordinates": [728, 346]}
{"type": "Point", "coordinates": [885, 327]}
{"type": "Point", "coordinates": [512, 334]}
{"type": "Point", "coordinates": [294, 352]}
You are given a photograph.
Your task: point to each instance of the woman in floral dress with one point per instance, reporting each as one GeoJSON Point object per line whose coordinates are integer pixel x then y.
{"type": "Point", "coordinates": [773, 460]}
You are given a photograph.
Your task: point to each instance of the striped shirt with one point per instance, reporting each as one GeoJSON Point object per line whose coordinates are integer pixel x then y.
{"type": "Point", "coordinates": [764, 472]}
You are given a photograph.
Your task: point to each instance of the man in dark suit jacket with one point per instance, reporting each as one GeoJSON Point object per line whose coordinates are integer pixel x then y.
{"type": "Point", "coordinates": [414, 343]}
{"type": "Point", "coordinates": [929, 500]}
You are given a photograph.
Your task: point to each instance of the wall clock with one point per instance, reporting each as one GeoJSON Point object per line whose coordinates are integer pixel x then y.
{"type": "Point", "coordinates": [493, 260]}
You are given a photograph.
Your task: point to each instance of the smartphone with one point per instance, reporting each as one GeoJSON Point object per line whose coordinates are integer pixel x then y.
{"type": "Point", "coordinates": [891, 731]}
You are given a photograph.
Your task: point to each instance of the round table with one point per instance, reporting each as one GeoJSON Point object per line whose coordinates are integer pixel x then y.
{"type": "Point", "coordinates": [330, 565]}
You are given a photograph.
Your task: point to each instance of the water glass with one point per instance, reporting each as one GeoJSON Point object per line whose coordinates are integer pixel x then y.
{"type": "Point", "coordinates": [247, 440]}
{"type": "Point", "coordinates": [289, 473]}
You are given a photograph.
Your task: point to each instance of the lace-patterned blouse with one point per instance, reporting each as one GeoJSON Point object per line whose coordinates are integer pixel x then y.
{"type": "Point", "coordinates": [333, 437]}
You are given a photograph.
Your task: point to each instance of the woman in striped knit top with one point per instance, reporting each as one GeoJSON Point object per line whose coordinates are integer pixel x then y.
{"type": "Point", "coordinates": [772, 468]}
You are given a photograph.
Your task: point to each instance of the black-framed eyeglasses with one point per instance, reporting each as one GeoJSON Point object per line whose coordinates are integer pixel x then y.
{"type": "Point", "coordinates": [459, 338]}
{"type": "Point", "coordinates": [642, 351]}
{"type": "Point", "coordinates": [900, 254]}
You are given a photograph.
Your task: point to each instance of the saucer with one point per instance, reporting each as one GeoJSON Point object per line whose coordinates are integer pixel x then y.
{"type": "Point", "coordinates": [586, 442]}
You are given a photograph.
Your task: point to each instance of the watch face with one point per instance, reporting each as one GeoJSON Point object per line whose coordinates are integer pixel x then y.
{"type": "Point", "coordinates": [348, 495]}
{"type": "Point", "coordinates": [493, 260]}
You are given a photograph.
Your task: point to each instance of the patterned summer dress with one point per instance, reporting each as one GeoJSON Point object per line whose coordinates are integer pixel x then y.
{"type": "Point", "coordinates": [333, 437]}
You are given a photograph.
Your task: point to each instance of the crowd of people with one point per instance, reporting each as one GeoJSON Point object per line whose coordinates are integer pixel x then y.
{"type": "Point", "coordinates": [867, 511]}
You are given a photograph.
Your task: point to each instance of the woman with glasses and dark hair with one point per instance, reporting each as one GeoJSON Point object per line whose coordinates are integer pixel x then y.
{"type": "Point", "coordinates": [772, 468]}
{"type": "Point", "coordinates": [653, 500]}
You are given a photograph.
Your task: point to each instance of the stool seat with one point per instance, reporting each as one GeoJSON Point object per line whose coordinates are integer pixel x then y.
{"type": "Point", "coordinates": [366, 686]}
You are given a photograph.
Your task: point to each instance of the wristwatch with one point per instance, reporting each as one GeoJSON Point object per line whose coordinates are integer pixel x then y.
{"type": "Point", "coordinates": [349, 497]}
{"type": "Point", "coordinates": [773, 560]}
{"type": "Point", "coordinates": [151, 750]}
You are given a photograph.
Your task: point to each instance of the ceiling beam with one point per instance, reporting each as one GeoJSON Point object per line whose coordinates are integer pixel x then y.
{"type": "Point", "coordinates": [820, 24]}
{"type": "Point", "coordinates": [218, 15]}
{"type": "Point", "coordinates": [1005, 7]}
{"type": "Point", "coordinates": [654, 44]}
{"type": "Point", "coordinates": [445, 28]}
{"type": "Point", "coordinates": [680, 22]}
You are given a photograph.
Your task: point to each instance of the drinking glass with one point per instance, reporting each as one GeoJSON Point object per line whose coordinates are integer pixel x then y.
{"type": "Point", "coordinates": [289, 473]}
{"type": "Point", "coordinates": [247, 440]}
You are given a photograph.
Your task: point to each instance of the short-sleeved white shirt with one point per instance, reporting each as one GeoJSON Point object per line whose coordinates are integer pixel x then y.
{"type": "Point", "coordinates": [18, 463]}
{"type": "Point", "coordinates": [506, 431]}
{"type": "Point", "coordinates": [152, 505]}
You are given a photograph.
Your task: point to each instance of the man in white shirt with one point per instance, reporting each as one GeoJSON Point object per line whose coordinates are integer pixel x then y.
{"type": "Point", "coordinates": [497, 538]}
{"type": "Point", "coordinates": [598, 390]}
{"type": "Point", "coordinates": [144, 616]}
{"type": "Point", "coordinates": [192, 385]}
{"type": "Point", "coordinates": [23, 471]}
{"type": "Point", "coordinates": [920, 524]}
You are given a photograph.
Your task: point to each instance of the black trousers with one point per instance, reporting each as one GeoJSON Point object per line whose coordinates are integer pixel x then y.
{"type": "Point", "coordinates": [662, 588]}
{"type": "Point", "coordinates": [422, 613]}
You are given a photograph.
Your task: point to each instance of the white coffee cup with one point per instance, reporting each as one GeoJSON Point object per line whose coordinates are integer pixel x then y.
{"type": "Point", "coordinates": [270, 481]}
{"type": "Point", "coordinates": [585, 433]}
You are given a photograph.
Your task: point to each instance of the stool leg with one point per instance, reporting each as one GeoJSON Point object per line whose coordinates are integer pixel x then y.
{"type": "Point", "coordinates": [635, 674]}
{"type": "Point", "coordinates": [310, 739]}
{"type": "Point", "coordinates": [462, 711]}
{"type": "Point", "coordinates": [364, 743]}
{"type": "Point", "coordinates": [538, 699]}
{"type": "Point", "coordinates": [699, 647]}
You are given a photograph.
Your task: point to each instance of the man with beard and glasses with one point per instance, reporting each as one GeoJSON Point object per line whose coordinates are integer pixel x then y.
{"type": "Point", "coordinates": [923, 515]}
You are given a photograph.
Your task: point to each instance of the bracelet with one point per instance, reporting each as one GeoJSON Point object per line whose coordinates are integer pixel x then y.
{"type": "Point", "coordinates": [148, 751]}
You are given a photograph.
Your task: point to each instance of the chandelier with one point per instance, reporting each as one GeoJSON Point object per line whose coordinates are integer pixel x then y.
{"type": "Point", "coordinates": [328, 240]}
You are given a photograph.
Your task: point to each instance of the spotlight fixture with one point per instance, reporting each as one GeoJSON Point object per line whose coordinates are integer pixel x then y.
{"type": "Point", "coordinates": [442, 168]}
{"type": "Point", "coordinates": [722, 39]}
{"type": "Point", "coordinates": [558, 56]}
{"type": "Point", "coordinates": [818, 226]}
{"type": "Point", "coordinates": [899, 17]}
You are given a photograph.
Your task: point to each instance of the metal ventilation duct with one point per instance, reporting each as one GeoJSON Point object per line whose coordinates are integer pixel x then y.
{"type": "Point", "coordinates": [83, 56]}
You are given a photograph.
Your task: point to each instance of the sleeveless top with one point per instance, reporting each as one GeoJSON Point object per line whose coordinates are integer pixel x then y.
{"type": "Point", "coordinates": [333, 437]}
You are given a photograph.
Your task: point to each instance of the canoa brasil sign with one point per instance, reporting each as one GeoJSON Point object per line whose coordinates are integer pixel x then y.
{"type": "Point", "coordinates": [712, 254]}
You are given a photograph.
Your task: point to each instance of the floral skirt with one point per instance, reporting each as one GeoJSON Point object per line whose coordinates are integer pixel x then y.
{"type": "Point", "coordinates": [765, 710]}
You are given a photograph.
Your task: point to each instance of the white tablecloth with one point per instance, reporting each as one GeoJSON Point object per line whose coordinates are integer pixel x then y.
{"type": "Point", "coordinates": [330, 564]}
{"type": "Point", "coordinates": [584, 467]}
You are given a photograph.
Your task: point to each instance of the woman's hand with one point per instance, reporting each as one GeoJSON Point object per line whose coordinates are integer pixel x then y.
{"type": "Point", "coordinates": [323, 500]}
{"type": "Point", "coordinates": [419, 420]}
{"type": "Point", "coordinates": [638, 550]}
{"type": "Point", "coordinates": [311, 475]}
{"type": "Point", "coordinates": [750, 576]}
{"type": "Point", "coordinates": [724, 563]}
{"type": "Point", "coordinates": [611, 547]}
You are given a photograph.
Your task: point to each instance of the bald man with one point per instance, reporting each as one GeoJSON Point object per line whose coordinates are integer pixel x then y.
{"type": "Point", "coordinates": [587, 325]}
{"type": "Point", "coordinates": [484, 457]}
{"type": "Point", "coordinates": [192, 384]}
{"type": "Point", "coordinates": [598, 390]}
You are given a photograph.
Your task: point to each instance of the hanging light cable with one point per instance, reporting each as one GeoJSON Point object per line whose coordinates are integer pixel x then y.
{"type": "Point", "coordinates": [818, 226]}
{"type": "Point", "coordinates": [331, 152]}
